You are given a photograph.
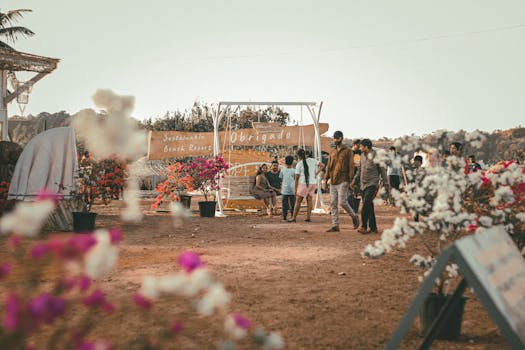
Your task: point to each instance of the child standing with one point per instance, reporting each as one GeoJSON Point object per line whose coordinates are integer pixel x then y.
{"type": "Point", "coordinates": [287, 176]}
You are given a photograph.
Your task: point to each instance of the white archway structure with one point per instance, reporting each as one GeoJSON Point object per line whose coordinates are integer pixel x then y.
{"type": "Point", "coordinates": [315, 112]}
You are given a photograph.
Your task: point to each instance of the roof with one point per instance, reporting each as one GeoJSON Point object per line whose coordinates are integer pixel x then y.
{"type": "Point", "coordinates": [144, 167]}
{"type": "Point", "coordinates": [20, 61]}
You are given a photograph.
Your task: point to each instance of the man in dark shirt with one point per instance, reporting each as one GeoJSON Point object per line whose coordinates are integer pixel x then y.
{"type": "Point", "coordinates": [369, 174]}
{"type": "Point", "coordinates": [273, 176]}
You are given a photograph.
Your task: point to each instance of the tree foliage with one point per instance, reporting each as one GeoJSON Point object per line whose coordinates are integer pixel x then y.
{"type": "Point", "coordinates": [9, 31]}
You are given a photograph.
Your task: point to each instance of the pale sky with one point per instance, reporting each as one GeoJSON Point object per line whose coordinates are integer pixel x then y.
{"type": "Point", "coordinates": [382, 68]}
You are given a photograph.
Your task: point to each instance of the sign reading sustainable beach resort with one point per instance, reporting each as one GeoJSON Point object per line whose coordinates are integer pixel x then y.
{"type": "Point", "coordinates": [176, 144]}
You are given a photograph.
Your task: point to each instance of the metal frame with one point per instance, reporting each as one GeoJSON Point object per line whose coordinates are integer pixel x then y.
{"type": "Point", "coordinates": [315, 112]}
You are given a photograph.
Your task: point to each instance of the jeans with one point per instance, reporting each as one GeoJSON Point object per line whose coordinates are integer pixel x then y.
{"type": "Point", "coordinates": [288, 204]}
{"type": "Point", "coordinates": [339, 196]}
{"type": "Point", "coordinates": [368, 217]}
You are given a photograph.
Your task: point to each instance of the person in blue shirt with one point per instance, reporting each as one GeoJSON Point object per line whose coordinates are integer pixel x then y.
{"type": "Point", "coordinates": [287, 176]}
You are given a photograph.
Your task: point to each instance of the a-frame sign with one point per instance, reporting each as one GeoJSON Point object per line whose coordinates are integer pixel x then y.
{"type": "Point", "coordinates": [490, 263]}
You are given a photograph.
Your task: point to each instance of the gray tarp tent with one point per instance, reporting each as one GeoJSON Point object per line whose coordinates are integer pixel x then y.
{"type": "Point", "coordinates": [48, 160]}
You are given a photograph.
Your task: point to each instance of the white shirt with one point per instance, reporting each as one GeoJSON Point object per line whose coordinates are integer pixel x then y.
{"type": "Point", "coordinates": [312, 168]}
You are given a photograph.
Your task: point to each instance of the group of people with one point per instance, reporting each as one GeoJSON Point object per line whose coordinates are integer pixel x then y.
{"type": "Point", "coordinates": [348, 170]}
{"type": "Point", "coordinates": [341, 173]}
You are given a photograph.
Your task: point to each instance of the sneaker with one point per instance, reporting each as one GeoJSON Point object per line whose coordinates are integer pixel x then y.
{"type": "Point", "coordinates": [374, 231]}
{"type": "Point", "coordinates": [355, 220]}
{"type": "Point", "coordinates": [333, 229]}
{"type": "Point", "coordinates": [292, 220]}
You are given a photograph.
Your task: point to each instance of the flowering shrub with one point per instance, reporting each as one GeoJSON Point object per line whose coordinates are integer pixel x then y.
{"type": "Point", "coordinates": [205, 174]}
{"type": "Point", "coordinates": [446, 203]}
{"type": "Point", "coordinates": [103, 179]}
{"type": "Point", "coordinates": [4, 190]}
{"type": "Point", "coordinates": [50, 295]}
{"type": "Point", "coordinates": [177, 182]}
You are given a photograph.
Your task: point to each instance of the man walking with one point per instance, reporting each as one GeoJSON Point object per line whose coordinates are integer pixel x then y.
{"type": "Point", "coordinates": [369, 173]}
{"type": "Point", "coordinates": [339, 173]}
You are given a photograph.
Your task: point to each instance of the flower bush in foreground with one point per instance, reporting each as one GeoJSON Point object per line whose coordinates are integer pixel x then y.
{"type": "Point", "coordinates": [53, 296]}
{"type": "Point", "coordinates": [445, 204]}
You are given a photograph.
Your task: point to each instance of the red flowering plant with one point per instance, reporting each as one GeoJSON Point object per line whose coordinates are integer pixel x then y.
{"type": "Point", "coordinates": [99, 179]}
{"type": "Point", "coordinates": [499, 199]}
{"type": "Point", "coordinates": [177, 182]}
{"type": "Point", "coordinates": [206, 173]}
{"type": "Point", "coordinates": [4, 190]}
{"type": "Point", "coordinates": [52, 294]}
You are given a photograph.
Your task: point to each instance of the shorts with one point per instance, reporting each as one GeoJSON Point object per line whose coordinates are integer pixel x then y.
{"type": "Point", "coordinates": [305, 190]}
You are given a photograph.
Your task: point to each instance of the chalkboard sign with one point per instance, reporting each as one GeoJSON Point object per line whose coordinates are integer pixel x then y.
{"type": "Point", "coordinates": [490, 263]}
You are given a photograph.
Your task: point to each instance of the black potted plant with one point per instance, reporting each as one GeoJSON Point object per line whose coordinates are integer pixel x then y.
{"type": "Point", "coordinates": [97, 180]}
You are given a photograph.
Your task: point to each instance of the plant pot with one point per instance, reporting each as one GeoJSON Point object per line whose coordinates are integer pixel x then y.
{"type": "Point", "coordinates": [451, 327]}
{"type": "Point", "coordinates": [207, 209]}
{"type": "Point", "coordinates": [185, 200]}
{"type": "Point", "coordinates": [83, 221]}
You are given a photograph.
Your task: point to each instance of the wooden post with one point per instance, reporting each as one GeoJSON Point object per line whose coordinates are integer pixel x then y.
{"type": "Point", "coordinates": [3, 105]}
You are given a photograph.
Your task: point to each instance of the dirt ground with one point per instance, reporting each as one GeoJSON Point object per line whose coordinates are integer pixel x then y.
{"type": "Point", "coordinates": [312, 286]}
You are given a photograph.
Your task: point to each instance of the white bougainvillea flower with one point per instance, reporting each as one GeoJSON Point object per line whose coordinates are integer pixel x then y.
{"type": "Point", "coordinates": [173, 284]}
{"type": "Point", "coordinates": [215, 297]}
{"type": "Point", "coordinates": [273, 341]}
{"type": "Point", "coordinates": [115, 133]}
{"type": "Point", "coordinates": [102, 257]}
{"type": "Point", "coordinates": [179, 213]}
{"type": "Point", "coordinates": [236, 326]}
{"type": "Point", "coordinates": [27, 218]}
{"type": "Point", "coordinates": [132, 212]}
{"type": "Point", "coordinates": [150, 288]}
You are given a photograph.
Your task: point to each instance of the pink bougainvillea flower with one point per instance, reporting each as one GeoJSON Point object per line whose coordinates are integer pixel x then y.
{"type": "Point", "coordinates": [12, 312]}
{"type": "Point", "coordinates": [189, 261]}
{"type": "Point", "coordinates": [177, 327]}
{"type": "Point", "coordinates": [84, 282]}
{"type": "Point", "coordinates": [96, 345]}
{"type": "Point", "coordinates": [45, 194]}
{"type": "Point", "coordinates": [14, 241]}
{"type": "Point", "coordinates": [5, 270]}
{"type": "Point", "coordinates": [96, 298]}
{"type": "Point", "coordinates": [72, 247]}
{"type": "Point", "coordinates": [108, 307]}
{"type": "Point", "coordinates": [472, 227]}
{"type": "Point", "coordinates": [39, 250]}
{"type": "Point", "coordinates": [241, 321]}
{"type": "Point", "coordinates": [115, 234]}
{"type": "Point", "coordinates": [141, 301]}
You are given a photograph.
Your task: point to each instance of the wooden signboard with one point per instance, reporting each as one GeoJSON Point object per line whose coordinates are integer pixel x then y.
{"type": "Point", "coordinates": [178, 144]}
{"type": "Point", "coordinates": [490, 263]}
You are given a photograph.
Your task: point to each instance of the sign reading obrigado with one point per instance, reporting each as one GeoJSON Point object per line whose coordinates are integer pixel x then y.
{"type": "Point", "coordinates": [176, 144]}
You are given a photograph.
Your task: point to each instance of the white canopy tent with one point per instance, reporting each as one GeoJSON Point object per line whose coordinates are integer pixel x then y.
{"type": "Point", "coordinates": [315, 112]}
{"type": "Point", "coordinates": [48, 161]}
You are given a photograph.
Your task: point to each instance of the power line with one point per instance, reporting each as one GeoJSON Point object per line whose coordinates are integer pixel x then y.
{"type": "Point", "coordinates": [367, 46]}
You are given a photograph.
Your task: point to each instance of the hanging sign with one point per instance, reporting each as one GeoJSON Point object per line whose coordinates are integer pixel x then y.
{"type": "Point", "coordinates": [178, 144]}
{"type": "Point", "coordinates": [262, 128]}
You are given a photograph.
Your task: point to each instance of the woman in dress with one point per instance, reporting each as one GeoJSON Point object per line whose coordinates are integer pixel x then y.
{"type": "Point", "coordinates": [263, 190]}
{"type": "Point", "coordinates": [306, 172]}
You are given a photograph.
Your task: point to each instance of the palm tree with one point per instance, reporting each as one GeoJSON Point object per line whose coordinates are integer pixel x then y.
{"type": "Point", "coordinates": [8, 31]}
